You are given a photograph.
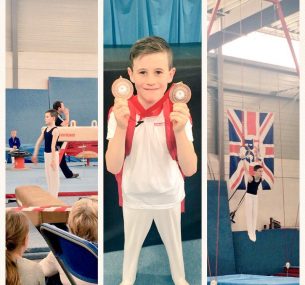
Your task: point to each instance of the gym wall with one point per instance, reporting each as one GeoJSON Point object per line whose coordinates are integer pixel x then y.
{"type": "Point", "coordinates": [257, 87]}
{"type": "Point", "coordinates": [25, 108]}
{"type": "Point", "coordinates": [25, 113]}
{"type": "Point", "coordinates": [55, 38]}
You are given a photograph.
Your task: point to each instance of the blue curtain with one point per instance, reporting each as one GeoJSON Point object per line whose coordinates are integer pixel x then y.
{"type": "Point", "coordinates": [177, 21]}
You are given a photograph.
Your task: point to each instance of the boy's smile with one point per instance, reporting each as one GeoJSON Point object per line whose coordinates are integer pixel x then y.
{"type": "Point", "coordinates": [151, 74]}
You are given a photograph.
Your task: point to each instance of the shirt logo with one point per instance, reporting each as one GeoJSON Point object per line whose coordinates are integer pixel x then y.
{"type": "Point", "coordinates": [159, 124]}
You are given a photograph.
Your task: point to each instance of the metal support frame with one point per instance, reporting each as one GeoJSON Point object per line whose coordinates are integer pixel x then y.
{"type": "Point", "coordinates": [250, 23]}
{"type": "Point", "coordinates": [220, 113]}
{"type": "Point", "coordinates": [281, 16]}
{"type": "Point", "coordinates": [214, 13]}
{"type": "Point", "coordinates": [14, 40]}
{"type": "Point", "coordinates": [220, 127]}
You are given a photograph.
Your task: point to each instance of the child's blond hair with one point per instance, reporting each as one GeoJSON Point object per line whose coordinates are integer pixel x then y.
{"type": "Point", "coordinates": [83, 219]}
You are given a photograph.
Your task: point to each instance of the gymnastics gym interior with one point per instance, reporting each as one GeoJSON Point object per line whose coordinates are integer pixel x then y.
{"type": "Point", "coordinates": [48, 59]}
{"type": "Point", "coordinates": [253, 104]}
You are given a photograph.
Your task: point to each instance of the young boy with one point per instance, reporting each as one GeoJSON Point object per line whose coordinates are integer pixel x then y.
{"type": "Point", "coordinates": [159, 151]}
{"type": "Point", "coordinates": [51, 157]}
{"type": "Point", "coordinates": [251, 202]}
{"type": "Point", "coordinates": [14, 143]}
{"type": "Point", "coordinates": [63, 120]}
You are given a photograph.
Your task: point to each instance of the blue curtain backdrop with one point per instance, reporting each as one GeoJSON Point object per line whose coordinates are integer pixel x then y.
{"type": "Point", "coordinates": [177, 21]}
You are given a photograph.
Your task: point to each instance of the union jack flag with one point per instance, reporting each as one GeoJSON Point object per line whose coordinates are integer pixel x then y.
{"type": "Point", "coordinates": [250, 137]}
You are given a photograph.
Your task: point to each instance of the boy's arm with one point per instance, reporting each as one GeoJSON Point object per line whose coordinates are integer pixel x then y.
{"type": "Point", "coordinates": [187, 157]}
{"type": "Point", "coordinates": [48, 265]}
{"type": "Point", "coordinates": [66, 121]}
{"type": "Point", "coordinates": [55, 135]}
{"type": "Point", "coordinates": [115, 153]}
{"type": "Point", "coordinates": [37, 145]}
{"type": "Point", "coordinates": [18, 143]}
{"type": "Point", "coordinates": [250, 178]}
{"type": "Point", "coordinates": [10, 142]}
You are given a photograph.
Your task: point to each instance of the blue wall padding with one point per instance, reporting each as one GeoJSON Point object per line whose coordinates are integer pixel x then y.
{"type": "Point", "coordinates": [25, 110]}
{"type": "Point", "coordinates": [270, 252]}
{"type": "Point", "coordinates": [244, 279]}
{"type": "Point", "coordinates": [226, 261]}
{"type": "Point", "coordinates": [78, 94]}
{"type": "Point", "coordinates": [177, 21]}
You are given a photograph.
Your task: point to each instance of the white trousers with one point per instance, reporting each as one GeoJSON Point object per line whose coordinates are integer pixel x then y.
{"type": "Point", "coordinates": [251, 205]}
{"type": "Point", "coordinates": [52, 175]}
{"type": "Point", "coordinates": [137, 223]}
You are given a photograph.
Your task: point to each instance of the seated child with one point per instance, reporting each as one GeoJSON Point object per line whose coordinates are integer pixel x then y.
{"type": "Point", "coordinates": [14, 143]}
{"type": "Point", "coordinates": [82, 222]}
{"type": "Point", "coordinates": [19, 270]}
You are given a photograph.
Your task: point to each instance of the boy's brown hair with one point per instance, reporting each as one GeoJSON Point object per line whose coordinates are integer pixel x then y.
{"type": "Point", "coordinates": [257, 167]}
{"type": "Point", "coordinates": [150, 45]}
{"type": "Point", "coordinates": [57, 105]}
{"type": "Point", "coordinates": [17, 230]}
{"type": "Point", "coordinates": [53, 113]}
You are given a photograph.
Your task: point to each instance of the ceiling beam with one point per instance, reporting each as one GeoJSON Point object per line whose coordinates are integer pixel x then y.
{"type": "Point", "coordinates": [245, 25]}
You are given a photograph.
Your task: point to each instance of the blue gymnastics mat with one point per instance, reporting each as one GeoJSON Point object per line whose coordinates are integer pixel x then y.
{"type": "Point", "coordinates": [245, 279]}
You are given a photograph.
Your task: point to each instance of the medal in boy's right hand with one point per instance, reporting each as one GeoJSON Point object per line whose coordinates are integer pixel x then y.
{"type": "Point", "coordinates": [180, 93]}
{"type": "Point", "coordinates": [122, 88]}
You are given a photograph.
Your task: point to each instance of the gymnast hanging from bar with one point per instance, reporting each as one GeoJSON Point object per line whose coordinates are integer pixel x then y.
{"type": "Point", "coordinates": [251, 200]}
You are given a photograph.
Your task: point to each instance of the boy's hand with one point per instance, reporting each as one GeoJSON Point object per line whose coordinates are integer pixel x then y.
{"type": "Point", "coordinates": [66, 111]}
{"type": "Point", "coordinates": [121, 112]}
{"type": "Point", "coordinates": [179, 116]}
{"type": "Point", "coordinates": [34, 159]}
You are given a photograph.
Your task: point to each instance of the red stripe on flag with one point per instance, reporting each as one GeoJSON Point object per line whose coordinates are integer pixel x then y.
{"type": "Point", "coordinates": [234, 148]}
{"type": "Point", "coordinates": [269, 150]}
{"type": "Point", "coordinates": [251, 123]}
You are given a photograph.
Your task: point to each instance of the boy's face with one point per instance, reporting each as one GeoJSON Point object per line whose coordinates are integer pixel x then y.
{"type": "Point", "coordinates": [61, 109]}
{"type": "Point", "coordinates": [258, 173]}
{"type": "Point", "coordinates": [48, 119]}
{"type": "Point", "coordinates": [13, 134]}
{"type": "Point", "coordinates": [151, 74]}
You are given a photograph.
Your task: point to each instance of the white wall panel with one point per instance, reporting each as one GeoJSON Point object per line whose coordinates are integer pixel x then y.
{"type": "Point", "coordinates": [56, 26]}
{"type": "Point", "coordinates": [262, 79]}
{"type": "Point", "coordinates": [36, 68]}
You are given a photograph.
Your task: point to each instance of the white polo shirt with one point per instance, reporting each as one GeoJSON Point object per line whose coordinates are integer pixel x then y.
{"type": "Point", "coordinates": [151, 178]}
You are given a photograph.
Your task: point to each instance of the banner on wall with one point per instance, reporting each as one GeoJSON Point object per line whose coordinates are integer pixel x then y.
{"type": "Point", "coordinates": [250, 136]}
